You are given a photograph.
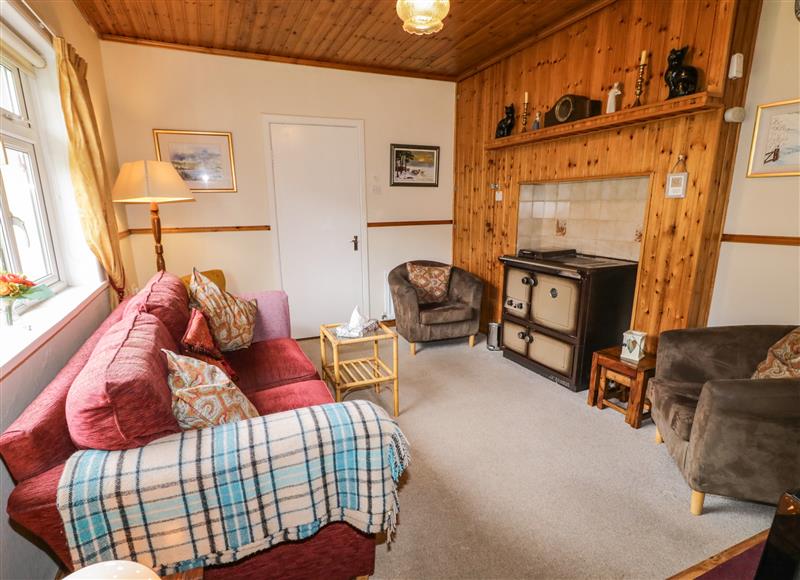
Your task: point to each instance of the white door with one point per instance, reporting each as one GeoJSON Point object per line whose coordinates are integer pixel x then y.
{"type": "Point", "coordinates": [317, 177]}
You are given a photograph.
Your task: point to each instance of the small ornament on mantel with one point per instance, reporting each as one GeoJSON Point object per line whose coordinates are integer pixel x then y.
{"type": "Point", "coordinates": [537, 121]}
{"type": "Point", "coordinates": [614, 98]}
{"type": "Point", "coordinates": [525, 113]}
{"type": "Point", "coordinates": [506, 124]}
{"type": "Point", "coordinates": [640, 79]}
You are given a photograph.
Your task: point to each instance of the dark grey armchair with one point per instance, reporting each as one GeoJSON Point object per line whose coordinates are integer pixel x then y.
{"type": "Point", "coordinates": [459, 316]}
{"type": "Point", "coordinates": [729, 434]}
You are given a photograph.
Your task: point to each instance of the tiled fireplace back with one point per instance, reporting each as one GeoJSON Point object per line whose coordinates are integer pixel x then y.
{"type": "Point", "coordinates": [603, 217]}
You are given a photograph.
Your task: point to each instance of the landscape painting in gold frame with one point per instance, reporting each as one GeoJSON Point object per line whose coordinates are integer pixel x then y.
{"type": "Point", "coordinates": [204, 159]}
{"type": "Point", "coordinates": [775, 150]}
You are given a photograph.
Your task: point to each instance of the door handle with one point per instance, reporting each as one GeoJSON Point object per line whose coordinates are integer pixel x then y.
{"type": "Point", "coordinates": [354, 241]}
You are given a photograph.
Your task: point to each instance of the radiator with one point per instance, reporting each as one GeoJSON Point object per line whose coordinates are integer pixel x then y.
{"type": "Point", "coordinates": [388, 304]}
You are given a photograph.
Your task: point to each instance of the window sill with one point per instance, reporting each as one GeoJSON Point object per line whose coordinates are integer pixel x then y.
{"type": "Point", "coordinates": [41, 322]}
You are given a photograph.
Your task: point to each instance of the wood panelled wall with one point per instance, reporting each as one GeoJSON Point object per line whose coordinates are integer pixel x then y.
{"type": "Point", "coordinates": [682, 236]}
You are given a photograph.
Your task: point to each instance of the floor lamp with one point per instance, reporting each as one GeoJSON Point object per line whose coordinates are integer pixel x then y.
{"type": "Point", "coordinates": [152, 182]}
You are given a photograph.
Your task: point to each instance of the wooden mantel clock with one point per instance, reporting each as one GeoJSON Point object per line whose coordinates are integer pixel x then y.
{"type": "Point", "coordinates": [571, 108]}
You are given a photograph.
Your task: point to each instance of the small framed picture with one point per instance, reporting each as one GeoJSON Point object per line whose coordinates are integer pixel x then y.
{"type": "Point", "coordinates": [676, 184]}
{"type": "Point", "coordinates": [775, 150]}
{"type": "Point", "coordinates": [414, 166]}
{"type": "Point", "coordinates": [204, 159]}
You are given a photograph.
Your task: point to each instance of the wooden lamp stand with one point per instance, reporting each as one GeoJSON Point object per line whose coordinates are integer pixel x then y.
{"type": "Point", "coordinates": [155, 223]}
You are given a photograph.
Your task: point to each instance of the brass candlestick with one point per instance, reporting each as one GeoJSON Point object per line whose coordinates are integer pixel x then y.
{"type": "Point", "coordinates": [639, 84]}
{"type": "Point", "coordinates": [524, 116]}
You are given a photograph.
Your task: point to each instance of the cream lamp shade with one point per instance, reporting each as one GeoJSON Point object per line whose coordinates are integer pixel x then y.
{"type": "Point", "coordinates": [150, 182]}
{"type": "Point", "coordinates": [114, 570]}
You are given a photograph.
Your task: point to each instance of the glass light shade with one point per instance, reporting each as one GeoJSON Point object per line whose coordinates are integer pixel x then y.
{"type": "Point", "coordinates": [114, 570]}
{"type": "Point", "coordinates": [150, 182]}
{"type": "Point", "coordinates": [422, 16]}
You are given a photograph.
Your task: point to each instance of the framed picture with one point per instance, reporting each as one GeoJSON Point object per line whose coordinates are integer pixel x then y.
{"type": "Point", "coordinates": [414, 166]}
{"type": "Point", "coordinates": [676, 184]}
{"type": "Point", "coordinates": [203, 158]}
{"type": "Point", "coordinates": [775, 150]}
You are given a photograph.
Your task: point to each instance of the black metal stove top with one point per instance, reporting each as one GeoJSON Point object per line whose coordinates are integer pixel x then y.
{"type": "Point", "coordinates": [565, 258]}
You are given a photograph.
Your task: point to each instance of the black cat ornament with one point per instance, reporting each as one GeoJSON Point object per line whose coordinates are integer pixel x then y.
{"type": "Point", "coordinates": [506, 124]}
{"type": "Point", "coordinates": [680, 78]}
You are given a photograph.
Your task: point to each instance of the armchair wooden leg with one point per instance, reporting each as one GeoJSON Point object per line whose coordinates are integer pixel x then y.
{"type": "Point", "coordinates": [362, 578]}
{"type": "Point", "coordinates": [659, 438]}
{"type": "Point", "coordinates": [413, 347]}
{"type": "Point", "coordinates": [698, 497]}
{"type": "Point", "coordinates": [471, 340]}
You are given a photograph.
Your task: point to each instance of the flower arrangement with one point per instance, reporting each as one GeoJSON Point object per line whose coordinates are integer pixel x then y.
{"type": "Point", "coordinates": [15, 287]}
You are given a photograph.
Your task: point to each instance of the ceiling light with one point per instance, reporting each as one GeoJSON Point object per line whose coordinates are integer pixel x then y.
{"type": "Point", "coordinates": [422, 16]}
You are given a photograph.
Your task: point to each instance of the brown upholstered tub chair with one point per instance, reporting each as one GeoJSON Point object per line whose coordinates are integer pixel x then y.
{"type": "Point", "coordinates": [729, 434]}
{"type": "Point", "coordinates": [456, 317]}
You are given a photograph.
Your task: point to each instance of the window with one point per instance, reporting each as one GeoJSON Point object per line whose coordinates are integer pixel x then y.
{"type": "Point", "coordinates": [26, 241]}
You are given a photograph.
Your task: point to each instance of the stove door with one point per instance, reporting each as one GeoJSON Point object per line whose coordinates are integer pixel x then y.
{"type": "Point", "coordinates": [517, 301]}
{"type": "Point", "coordinates": [555, 303]}
{"type": "Point", "coordinates": [516, 338]}
{"type": "Point", "coordinates": [551, 353]}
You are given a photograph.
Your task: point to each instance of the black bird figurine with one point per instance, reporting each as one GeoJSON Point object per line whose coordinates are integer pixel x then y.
{"type": "Point", "coordinates": [680, 78]}
{"type": "Point", "coordinates": [506, 124]}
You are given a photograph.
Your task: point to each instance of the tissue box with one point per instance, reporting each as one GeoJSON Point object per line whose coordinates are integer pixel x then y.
{"type": "Point", "coordinates": [633, 346]}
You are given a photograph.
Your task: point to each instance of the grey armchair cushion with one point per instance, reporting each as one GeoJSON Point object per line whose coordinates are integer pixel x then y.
{"type": "Point", "coordinates": [459, 316]}
{"type": "Point", "coordinates": [445, 313]}
{"type": "Point", "coordinates": [743, 437]}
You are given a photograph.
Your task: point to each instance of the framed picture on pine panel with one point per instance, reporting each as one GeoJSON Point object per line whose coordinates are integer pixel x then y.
{"type": "Point", "coordinates": [204, 159]}
{"type": "Point", "coordinates": [775, 150]}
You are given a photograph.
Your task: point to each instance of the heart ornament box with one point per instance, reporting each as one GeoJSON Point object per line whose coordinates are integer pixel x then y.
{"type": "Point", "coordinates": [633, 346]}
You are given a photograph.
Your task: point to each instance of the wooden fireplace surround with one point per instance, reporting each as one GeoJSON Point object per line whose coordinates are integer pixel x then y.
{"type": "Point", "coordinates": [682, 237]}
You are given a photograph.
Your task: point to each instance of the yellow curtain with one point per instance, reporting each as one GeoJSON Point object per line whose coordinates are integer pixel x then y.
{"type": "Point", "coordinates": [87, 164]}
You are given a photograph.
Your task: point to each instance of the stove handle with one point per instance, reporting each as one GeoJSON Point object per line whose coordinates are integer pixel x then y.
{"type": "Point", "coordinates": [525, 337]}
{"type": "Point", "coordinates": [530, 280]}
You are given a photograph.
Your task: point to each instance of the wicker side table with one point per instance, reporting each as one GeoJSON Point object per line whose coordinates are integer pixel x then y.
{"type": "Point", "coordinates": [346, 375]}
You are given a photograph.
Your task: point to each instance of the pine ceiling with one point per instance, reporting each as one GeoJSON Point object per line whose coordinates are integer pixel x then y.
{"type": "Point", "coordinates": [357, 34]}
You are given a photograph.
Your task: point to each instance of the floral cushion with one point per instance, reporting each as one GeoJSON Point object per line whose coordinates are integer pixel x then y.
{"type": "Point", "coordinates": [198, 342]}
{"type": "Point", "coordinates": [430, 282]}
{"type": "Point", "coordinates": [231, 319]}
{"type": "Point", "coordinates": [204, 396]}
{"type": "Point", "coordinates": [783, 359]}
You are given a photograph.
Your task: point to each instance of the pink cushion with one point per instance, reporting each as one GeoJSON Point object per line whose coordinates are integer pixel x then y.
{"type": "Point", "coordinates": [165, 297]}
{"type": "Point", "coordinates": [291, 396]}
{"type": "Point", "coordinates": [271, 363]}
{"type": "Point", "coordinates": [39, 438]}
{"type": "Point", "coordinates": [121, 399]}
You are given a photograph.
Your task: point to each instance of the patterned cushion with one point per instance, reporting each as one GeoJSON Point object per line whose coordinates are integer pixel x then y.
{"type": "Point", "coordinates": [430, 282]}
{"type": "Point", "coordinates": [783, 359]}
{"type": "Point", "coordinates": [231, 319]}
{"type": "Point", "coordinates": [198, 342]}
{"type": "Point", "coordinates": [204, 396]}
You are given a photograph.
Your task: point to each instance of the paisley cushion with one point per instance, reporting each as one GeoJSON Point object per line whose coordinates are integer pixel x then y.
{"type": "Point", "coordinates": [783, 359]}
{"type": "Point", "coordinates": [430, 282]}
{"type": "Point", "coordinates": [203, 395]}
{"type": "Point", "coordinates": [231, 319]}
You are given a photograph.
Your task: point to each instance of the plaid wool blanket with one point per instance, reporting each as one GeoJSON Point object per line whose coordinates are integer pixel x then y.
{"type": "Point", "coordinates": [216, 495]}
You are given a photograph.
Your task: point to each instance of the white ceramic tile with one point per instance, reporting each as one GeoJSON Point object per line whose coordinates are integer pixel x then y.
{"type": "Point", "coordinates": [577, 209]}
{"type": "Point", "coordinates": [551, 191]}
{"type": "Point", "coordinates": [538, 209]}
{"type": "Point", "coordinates": [549, 209]}
{"type": "Point", "coordinates": [538, 192]}
{"type": "Point", "coordinates": [562, 209]}
{"type": "Point", "coordinates": [526, 192]}
{"type": "Point", "coordinates": [525, 209]}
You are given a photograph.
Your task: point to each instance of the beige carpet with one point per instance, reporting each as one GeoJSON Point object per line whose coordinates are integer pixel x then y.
{"type": "Point", "coordinates": [513, 476]}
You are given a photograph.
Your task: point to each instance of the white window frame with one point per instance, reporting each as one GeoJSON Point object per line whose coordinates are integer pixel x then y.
{"type": "Point", "coordinates": [20, 132]}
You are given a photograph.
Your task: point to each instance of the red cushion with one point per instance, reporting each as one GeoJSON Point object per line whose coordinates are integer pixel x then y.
{"type": "Point", "coordinates": [198, 342]}
{"type": "Point", "coordinates": [271, 363]}
{"type": "Point", "coordinates": [121, 399]}
{"type": "Point", "coordinates": [165, 297]}
{"type": "Point", "coordinates": [291, 396]}
{"type": "Point", "coordinates": [39, 438]}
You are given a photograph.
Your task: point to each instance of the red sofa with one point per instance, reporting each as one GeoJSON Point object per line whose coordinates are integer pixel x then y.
{"type": "Point", "coordinates": [275, 375]}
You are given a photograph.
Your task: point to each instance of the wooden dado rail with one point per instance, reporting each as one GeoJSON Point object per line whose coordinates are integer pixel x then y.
{"type": "Point", "coordinates": [756, 239]}
{"type": "Point", "coordinates": [207, 229]}
{"type": "Point", "coordinates": [196, 230]}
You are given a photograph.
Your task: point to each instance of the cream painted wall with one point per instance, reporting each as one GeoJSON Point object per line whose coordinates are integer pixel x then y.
{"type": "Point", "coordinates": [160, 88]}
{"type": "Point", "coordinates": [761, 283]}
{"type": "Point", "coordinates": [19, 558]}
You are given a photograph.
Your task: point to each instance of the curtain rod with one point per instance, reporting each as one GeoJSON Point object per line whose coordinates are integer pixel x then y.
{"type": "Point", "coordinates": [30, 14]}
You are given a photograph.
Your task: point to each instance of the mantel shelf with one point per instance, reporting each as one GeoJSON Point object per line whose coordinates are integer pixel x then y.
{"type": "Point", "coordinates": [680, 106]}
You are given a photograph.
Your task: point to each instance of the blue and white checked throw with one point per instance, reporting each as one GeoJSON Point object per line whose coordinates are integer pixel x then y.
{"type": "Point", "coordinates": [216, 495]}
